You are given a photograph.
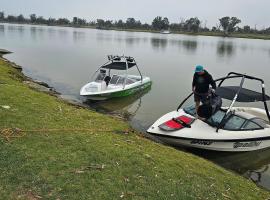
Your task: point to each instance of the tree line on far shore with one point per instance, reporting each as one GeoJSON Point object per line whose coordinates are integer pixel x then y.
{"type": "Point", "coordinates": [227, 25]}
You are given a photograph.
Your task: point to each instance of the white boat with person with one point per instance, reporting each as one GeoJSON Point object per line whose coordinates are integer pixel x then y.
{"type": "Point", "coordinates": [108, 85]}
{"type": "Point", "coordinates": [229, 128]}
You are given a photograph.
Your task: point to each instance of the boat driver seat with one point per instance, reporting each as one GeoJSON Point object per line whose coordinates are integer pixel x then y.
{"type": "Point", "coordinates": [210, 107]}
{"type": "Point", "coordinates": [107, 80]}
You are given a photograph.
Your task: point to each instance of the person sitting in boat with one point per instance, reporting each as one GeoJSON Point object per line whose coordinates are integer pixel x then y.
{"type": "Point", "coordinates": [200, 85]}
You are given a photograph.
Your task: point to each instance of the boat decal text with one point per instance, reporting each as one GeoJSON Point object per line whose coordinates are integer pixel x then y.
{"type": "Point", "coordinates": [246, 144]}
{"type": "Point", "coordinates": [201, 142]}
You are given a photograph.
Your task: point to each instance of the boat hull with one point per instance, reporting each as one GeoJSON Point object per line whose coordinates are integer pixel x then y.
{"type": "Point", "coordinates": [120, 93]}
{"type": "Point", "coordinates": [214, 145]}
{"type": "Point", "coordinates": [203, 136]}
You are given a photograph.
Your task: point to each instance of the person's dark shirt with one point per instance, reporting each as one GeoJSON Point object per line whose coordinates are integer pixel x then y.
{"type": "Point", "coordinates": [202, 82]}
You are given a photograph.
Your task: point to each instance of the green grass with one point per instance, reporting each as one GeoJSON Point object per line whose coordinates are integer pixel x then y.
{"type": "Point", "coordinates": [99, 163]}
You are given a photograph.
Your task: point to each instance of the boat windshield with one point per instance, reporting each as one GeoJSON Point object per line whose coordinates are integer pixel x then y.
{"type": "Point", "coordinates": [114, 79]}
{"type": "Point", "coordinates": [120, 80]}
{"type": "Point", "coordinates": [100, 77]}
{"type": "Point", "coordinates": [190, 110]}
{"type": "Point", "coordinates": [216, 118]}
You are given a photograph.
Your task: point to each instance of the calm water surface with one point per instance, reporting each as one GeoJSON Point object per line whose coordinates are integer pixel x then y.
{"type": "Point", "coordinates": [66, 58]}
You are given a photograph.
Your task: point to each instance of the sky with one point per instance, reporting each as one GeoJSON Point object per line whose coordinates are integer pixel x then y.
{"type": "Point", "coordinates": [251, 12]}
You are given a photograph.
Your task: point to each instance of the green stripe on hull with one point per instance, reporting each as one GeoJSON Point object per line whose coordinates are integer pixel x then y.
{"type": "Point", "coordinates": [127, 92]}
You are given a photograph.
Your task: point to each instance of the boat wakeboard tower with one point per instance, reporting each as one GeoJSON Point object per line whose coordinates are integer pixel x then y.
{"type": "Point", "coordinates": [108, 85]}
{"type": "Point", "coordinates": [227, 128]}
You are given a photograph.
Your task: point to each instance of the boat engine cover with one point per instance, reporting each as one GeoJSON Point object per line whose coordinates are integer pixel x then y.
{"type": "Point", "coordinates": [176, 123]}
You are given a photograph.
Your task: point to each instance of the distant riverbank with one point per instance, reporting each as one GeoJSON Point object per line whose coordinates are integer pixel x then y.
{"type": "Point", "coordinates": [210, 33]}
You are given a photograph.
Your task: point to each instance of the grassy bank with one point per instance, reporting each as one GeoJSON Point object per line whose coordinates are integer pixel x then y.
{"type": "Point", "coordinates": [60, 151]}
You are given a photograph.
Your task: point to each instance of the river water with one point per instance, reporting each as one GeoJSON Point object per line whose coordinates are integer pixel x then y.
{"type": "Point", "coordinates": [65, 58]}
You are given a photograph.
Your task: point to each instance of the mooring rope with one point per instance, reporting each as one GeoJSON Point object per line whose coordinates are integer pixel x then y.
{"type": "Point", "coordinates": [8, 133]}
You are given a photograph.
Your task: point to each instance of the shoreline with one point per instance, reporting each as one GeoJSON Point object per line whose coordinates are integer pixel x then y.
{"type": "Point", "coordinates": [98, 153]}
{"type": "Point", "coordinates": [41, 86]}
{"type": "Point", "coordinates": [210, 34]}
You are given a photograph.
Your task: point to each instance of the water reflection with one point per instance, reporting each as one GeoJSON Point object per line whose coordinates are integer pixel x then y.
{"type": "Point", "coordinates": [62, 33]}
{"type": "Point", "coordinates": [101, 37]}
{"type": "Point", "coordinates": [253, 165]}
{"type": "Point", "coordinates": [2, 30]}
{"type": "Point", "coordinates": [33, 32]}
{"type": "Point", "coordinates": [158, 43]}
{"type": "Point", "coordinates": [37, 32]}
{"type": "Point", "coordinates": [51, 32]}
{"type": "Point", "coordinates": [78, 36]}
{"type": "Point", "coordinates": [126, 107]}
{"type": "Point", "coordinates": [16, 29]}
{"type": "Point", "coordinates": [225, 48]}
{"type": "Point", "coordinates": [190, 45]}
{"type": "Point", "coordinates": [131, 40]}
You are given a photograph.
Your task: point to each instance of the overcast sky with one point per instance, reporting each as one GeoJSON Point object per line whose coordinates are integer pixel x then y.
{"type": "Point", "coordinates": [251, 12]}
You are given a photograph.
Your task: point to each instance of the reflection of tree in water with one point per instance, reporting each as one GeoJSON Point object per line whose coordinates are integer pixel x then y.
{"type": "Point", "coordinates": [33, 32]}
{"type": "Point", "coordinates": [2, 29]}
{"type": "Point", "coordinates": [78, 36]}
{"type": "Point", "coordinates": [101, 36]}
{"type": "Point", "coordinates": [159, 43]}
{"type": "Point", "coordinates": [190, 45]}
{"type": "Point", "coordinates": [131, 40]}
{"type": "Point", "coordinates": [62, 33]}
{"type": "Point", "coordinates": [36, 31]}
{"type": "Point", "coordinates": [225, 48]}
{"type": "Point", "coordinates": [17, 29]}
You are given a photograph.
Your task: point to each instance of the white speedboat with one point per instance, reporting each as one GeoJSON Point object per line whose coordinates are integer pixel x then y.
{"type": "Point", "coordinates": [165, 32]}
{"type": "Point", "coordinates": [228, 129]}
{"type": "Point", "coordinates": [107, 85]}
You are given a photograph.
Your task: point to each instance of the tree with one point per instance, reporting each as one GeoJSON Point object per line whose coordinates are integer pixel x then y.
{"type": "Point", "coordinates": [11, 18]}
{"type": "Point", "coordinates": [33, 18]}
{"type": "Point", "coordinates": [63, 21]}
{"type": "Point", "coordinates": [228, 24]}
{"type": "Point", "coordinates": [192, 24]}
{"type": "Point", "coordinates": [178, 26]}
{"type": "Point", "coordinates": [82, 22]}
{"type": "Point", "coordinates": [165, 23]}
{"type": "Point", "coordinates": [119, 24]}
{"type": "Point", "coordinates": [108, 23]}
{"type": "Point", "coordinates": [160, 23]}
{"type": "Point", "coordinates": [41, 20]}
{"type": "Point", "coordinates": [100, 23]}
{"type": "Point", "coordinates": [130, 23]}
{"type": "Point", "coordinates": [75, 21]}
{"type": "Point", "coordinates": [146, 26]}
{"type": "Point", "coordinates": [2, 16]}
{"type": "Point", "coordinates": [214, 29]}
{"type": "Point", "coordinates": [21, 18]}
{"type": "Point", "coordinates": [246, 29]}
{"type": "Point", "coordinates": [78, 21]}
{"type": "Point", "coordinates": [51, 21]}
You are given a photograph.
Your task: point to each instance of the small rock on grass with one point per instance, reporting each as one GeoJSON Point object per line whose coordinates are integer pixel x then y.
{"type": "Point", "coordinates": [5, 107]}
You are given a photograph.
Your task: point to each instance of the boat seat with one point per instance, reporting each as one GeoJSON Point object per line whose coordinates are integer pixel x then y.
{"type": "Point", "coordinates": [107, 79]}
